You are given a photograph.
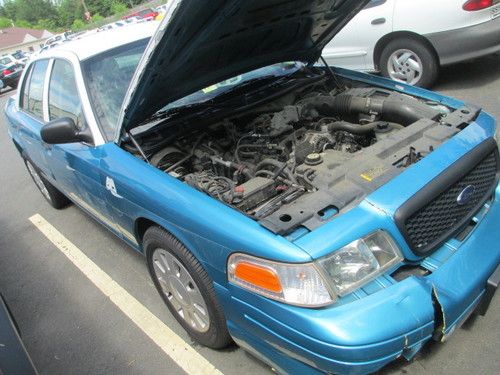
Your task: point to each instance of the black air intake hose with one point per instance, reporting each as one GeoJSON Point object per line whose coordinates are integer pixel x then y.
{"type": "Point", "coordinates": [403, 112]}
{"type": "Point", "coordinates": [360, 129]}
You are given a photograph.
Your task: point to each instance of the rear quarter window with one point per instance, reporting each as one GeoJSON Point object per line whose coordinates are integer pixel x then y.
{"type": "Point", "coordinates": [32, 95]}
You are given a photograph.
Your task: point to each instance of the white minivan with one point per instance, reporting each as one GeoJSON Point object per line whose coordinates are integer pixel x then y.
{"type": "Point", "coordinates": [408, 40]}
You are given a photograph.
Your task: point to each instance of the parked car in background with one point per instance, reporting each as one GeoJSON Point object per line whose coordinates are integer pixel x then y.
{"type": "Point", "coordinates": [133, 19]}
{"type": "Point", "coordinates": [328, 221]}
{"type": "Point", "coordinates": [9, 60]}
{"type": "Point", "coordinates": [21, 57]}
{"type": "Point", "coordinates": [162, 8]}
{"type": "Point", "coordinates": [10, 75]}
{"type": "Point", "coordinates": [14, 359]}
{"type": "Point", "coordinates": [57, 39]}
{"type": "Point", "coordinates": [147, 14]}
{"type": "Point", "coordinates": [410, 40]}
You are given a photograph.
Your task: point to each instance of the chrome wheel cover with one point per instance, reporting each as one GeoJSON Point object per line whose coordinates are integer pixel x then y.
{"type": "Point", "coordinates": [405, 66]}
{"type": "Point", "coordinates": [38, 180]}
{"type": "Point", "coordinates": [181, 290]}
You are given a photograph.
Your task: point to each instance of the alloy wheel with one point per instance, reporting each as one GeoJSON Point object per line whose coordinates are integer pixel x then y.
{"type": "Point", "coordinates": [38, 180]}
{"type": "Point", "coordinates": [181, 290]}
{"type": "Point", "coordinates": [405, 66]}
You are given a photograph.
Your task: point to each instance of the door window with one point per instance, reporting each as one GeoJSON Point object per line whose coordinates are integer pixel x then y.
{"type": "Point", "coordinates": [64, 100]}
{"type": "Point", "coordinates": [33, 89]}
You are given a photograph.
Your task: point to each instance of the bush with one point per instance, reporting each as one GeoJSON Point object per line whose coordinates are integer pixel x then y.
{"type": "Point", "coordinates": [118, 8]}
{"type": "Point", "coordinates": [78, 25]}
{"type": "Point", "coordinates": [97, 18]}
{"type": "Point", "coordinates": [23, 23]}
{"type": "Point", "coordinates": [5, 22]}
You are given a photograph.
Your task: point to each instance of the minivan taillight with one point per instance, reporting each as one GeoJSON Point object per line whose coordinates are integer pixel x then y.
{"type": "Point", "coordinates": [473, 5]}
{"type": "Point", "coordinates": [6, 71]}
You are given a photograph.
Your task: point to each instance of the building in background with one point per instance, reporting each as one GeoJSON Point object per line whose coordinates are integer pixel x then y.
{"type": "Point", "coordinates": [17, 38]}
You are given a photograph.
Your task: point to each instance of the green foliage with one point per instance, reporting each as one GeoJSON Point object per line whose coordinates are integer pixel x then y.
{"type": "Point", "coordinates": [23, 23]}
{"type": "Point", "coordinates": [97, 18]}
{"type": "Point", "coordinates": [78, 25]}
{"type": "Point", "coordinates": [118, 8]}
{"type": "Point", "coordinates": [62, 14]}
{"type": "Point", "coordinates": [45, 24]}
{"type": "Point", "coordinates": [68, 11]}
{"type": "Point", "coordinates": [33, 10]}
{"type": "Point", "coordinates": [5, 22]}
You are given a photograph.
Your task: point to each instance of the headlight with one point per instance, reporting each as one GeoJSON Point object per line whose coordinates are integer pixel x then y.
{"type": "Point", "coordinates": [360, 261]}
{"type": "Point", "coordinates": [296, 284]}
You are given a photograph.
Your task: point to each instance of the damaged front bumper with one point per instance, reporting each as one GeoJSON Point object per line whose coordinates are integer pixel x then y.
{"type": "Point", "coordinates": [366, 334]}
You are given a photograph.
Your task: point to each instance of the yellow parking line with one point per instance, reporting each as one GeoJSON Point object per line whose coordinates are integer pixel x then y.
{"type": "Point", "coordinates": [168, 341]}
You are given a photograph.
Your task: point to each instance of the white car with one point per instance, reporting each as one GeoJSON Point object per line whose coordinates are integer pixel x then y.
{"type": "Point", "coordinates": [408, 40]}
{"type": "Point", "coordinates": [162, 8]}
{"type": "Point", "coordinates": [10, 60]}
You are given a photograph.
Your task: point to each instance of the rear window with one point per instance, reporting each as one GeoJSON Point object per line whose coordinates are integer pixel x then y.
{"type": "Point", "coordinates": [32, 95]}
{"type": "Point", "coordinates": [144, 12]}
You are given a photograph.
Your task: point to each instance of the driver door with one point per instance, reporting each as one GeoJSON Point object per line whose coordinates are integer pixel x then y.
{"type": "Point", "coordinates": [75, 166]}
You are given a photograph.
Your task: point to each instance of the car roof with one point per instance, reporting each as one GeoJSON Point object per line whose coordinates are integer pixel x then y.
{"type": "Point", "coordinates": [97, 43]}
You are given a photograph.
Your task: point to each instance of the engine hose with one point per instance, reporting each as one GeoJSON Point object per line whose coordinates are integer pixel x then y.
{"type": "Point", "coordinates": [397, 111]}
{"type": "Point", "coordinates": [361, 129]}
{"type": "Point", "coordinates": [279, 165]}
{"type": "Point", "coordinates": [351, 128]}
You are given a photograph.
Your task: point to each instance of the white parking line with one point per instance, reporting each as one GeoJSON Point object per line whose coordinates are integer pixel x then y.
{"type": "Point", "coordinates": [173, 345]}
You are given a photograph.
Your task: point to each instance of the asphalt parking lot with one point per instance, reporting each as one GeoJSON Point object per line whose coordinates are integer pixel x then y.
{"type": "Point", "coordinates": [70, 327]}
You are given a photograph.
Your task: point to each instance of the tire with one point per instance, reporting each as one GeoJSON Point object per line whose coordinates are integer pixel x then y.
{"type": "Point", "coordinates": [409, 61]}
{"type": "Point", "coordinates": [186, 288]}
{"type": "Point", "coordinates": [55, 198]}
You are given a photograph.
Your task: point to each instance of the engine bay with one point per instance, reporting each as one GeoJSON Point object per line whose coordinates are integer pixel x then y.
{"type": "Point", "coordinates": [310, 155]}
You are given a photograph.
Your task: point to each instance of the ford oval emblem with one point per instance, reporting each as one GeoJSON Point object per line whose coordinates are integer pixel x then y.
{"type": "Point", "coordinates": [466, 195]}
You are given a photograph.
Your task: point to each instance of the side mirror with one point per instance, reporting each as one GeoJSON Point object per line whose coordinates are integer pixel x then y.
{"type": "Point", "coordinates": [64, 130]}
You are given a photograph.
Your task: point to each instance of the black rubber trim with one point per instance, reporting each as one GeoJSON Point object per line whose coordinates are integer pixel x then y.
{"type": "Point", "coordinates": [440, 184]}
{"type": "Point", "coordinates": [491, 288]}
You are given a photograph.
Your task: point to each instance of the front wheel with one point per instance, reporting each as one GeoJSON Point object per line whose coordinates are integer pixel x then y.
{"type": "Point", "coordinates": [409, 61]}
{"type": "Point", "coordinates": [185, 288]}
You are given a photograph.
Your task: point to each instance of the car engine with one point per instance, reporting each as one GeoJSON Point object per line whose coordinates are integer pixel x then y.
{"type": "Point", "coordinates": [320, 154]}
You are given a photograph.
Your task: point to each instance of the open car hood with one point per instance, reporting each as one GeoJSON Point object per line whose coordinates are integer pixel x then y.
{"type": "Point", "coordinates": [203, 42]}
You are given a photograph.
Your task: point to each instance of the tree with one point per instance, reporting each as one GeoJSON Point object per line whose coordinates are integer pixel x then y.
{"type": "Point", "coordinates": [68, 12]}
{"type": "Point", "coordinates": [28, 12]}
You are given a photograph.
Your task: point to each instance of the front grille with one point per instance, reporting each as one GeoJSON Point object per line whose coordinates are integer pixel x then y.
{"type": "Point", "coordinates": [434, 214]}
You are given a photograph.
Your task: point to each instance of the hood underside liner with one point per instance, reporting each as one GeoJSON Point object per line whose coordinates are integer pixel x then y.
{"type": "Point", "coordinates": [200, 43]}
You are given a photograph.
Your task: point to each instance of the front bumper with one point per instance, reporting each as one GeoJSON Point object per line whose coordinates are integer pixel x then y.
{"type": "Point", "coordinates": [467, 43]}
{"type": "Point", "coordinates": [366, 334]}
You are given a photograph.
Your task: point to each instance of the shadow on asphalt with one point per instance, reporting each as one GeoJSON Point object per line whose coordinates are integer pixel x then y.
{"type": "Point", "coordinates": [468, 75]}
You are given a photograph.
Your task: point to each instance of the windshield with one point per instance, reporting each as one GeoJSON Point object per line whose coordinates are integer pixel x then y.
{"type": "Point", "coordinates": [210, 92]}
{"type": "Point", "coordinates": [107, 77]}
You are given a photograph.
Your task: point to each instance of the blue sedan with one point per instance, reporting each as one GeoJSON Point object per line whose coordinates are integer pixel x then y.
{"type": "Point", "coordinates": [324, 220]}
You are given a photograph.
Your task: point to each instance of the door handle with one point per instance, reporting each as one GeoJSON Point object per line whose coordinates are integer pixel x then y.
{"type": "Point", "coordinates": [378, 21]}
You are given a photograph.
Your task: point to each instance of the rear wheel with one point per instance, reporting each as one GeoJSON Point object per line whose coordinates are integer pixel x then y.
{"type": "Point", "coordinates": [55, 198]}
{"type": "Point", "coordinates": [186, 288]}
{"type": "Point", "coordinates": [409, 61]}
